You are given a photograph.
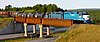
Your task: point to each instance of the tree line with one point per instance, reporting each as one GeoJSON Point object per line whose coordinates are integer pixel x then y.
{"type": "Point", "coordinates": [36, 8]}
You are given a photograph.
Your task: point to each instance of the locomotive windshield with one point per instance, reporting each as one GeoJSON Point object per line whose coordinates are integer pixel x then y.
{"type": "Point", "coordinates": [84, 13]}
{"type": "Point", "coordinates": [72, 12]}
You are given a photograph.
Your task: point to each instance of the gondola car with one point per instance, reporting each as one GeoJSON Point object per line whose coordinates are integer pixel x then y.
{"type": "Point", "coordinates": [7, 13]}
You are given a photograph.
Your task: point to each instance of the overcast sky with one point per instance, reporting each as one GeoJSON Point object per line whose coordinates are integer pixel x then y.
{"type": "Point", "coordinates": [65, 4]}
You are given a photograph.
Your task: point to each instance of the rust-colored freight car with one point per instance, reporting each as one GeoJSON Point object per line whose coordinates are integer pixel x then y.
{"type": "Point", "coordinates": [6, 13]}
{"type": "Point", "coordinates": [33, 20]}
{"type": "Point", "coordinates": [44, 21]}
{"type": "Point", "coordinates": [20, 19]}
{"type": "Point", "coordinates": [56, 22]}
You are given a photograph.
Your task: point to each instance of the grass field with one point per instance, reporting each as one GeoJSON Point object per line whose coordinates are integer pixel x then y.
{"type": "Point", "coordinates": [4, 22]}
{"type": "Point", "coordinates": [81, 33]}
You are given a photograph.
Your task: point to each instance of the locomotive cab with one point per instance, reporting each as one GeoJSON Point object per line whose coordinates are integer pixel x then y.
{"type": "Point", "coordinates": [86, 17]}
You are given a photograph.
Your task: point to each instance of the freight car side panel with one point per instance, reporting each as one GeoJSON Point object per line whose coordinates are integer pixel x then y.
{"type": "Point", "coordinates": [33, 20]}
{"type": "Point", "coordinates": [4, 13]}
{"type": "Point", "coordinates": [56, 22]}
{"type": "Point", "coordinates": [20, 19]}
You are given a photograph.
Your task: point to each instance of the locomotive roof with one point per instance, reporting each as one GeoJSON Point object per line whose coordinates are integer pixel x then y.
{"type": "Point", "coordinates": [83, 13]}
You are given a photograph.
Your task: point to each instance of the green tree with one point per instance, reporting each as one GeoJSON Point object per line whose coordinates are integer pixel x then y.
{"type": "Point", "coordinates": [39, 7]}
{"type": "Point", "coordinates": [28, 8]}
{"type": "Point", "coordinates": [36, 8]}
{"type": "Point", "coordinates": [54, 7]}
{"type": "Point", "coordinates": [7, 8]}
{"type": "Point", "coordinates": [14, 9]}
{"type": "Point", "coordinates": [0, 10]}
{"type": "Point", "coordinates": [65, 10]}
{"type": "Point", "coordinates": [49, 8]}
{"type": "Point", "coordinates": [59, 9]}
{"type": "Point", "coordinates": [44, 8]}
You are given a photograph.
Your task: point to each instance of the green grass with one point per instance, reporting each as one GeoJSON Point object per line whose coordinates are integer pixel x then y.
{"type": "Point", "coordinates": [4, 22]}
{"type": "Point", "coordinates": [81, 33]}
{"type": "Point", "coordinates": [29, 10]}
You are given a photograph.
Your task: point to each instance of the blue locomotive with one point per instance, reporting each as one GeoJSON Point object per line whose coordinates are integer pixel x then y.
{"type": "Point", "coordinates": [77, 17]}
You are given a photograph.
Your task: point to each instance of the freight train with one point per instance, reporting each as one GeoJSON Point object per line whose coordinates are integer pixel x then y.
{"type": "Point", "coordinates": [77, 17]}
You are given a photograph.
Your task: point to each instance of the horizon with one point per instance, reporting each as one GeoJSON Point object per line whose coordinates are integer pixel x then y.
{"type": "Point", "coordinates": [64, 4]}
{"type": "Point", "coordinates": [58, 6]}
